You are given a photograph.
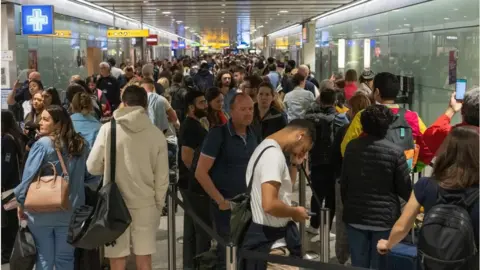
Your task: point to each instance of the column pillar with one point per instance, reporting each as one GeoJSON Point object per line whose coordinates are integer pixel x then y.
{"type": "Point", "coordinates": [8, 43]}
{"type": "Point", "coordinates": [266, 47]}
{"type": "Point", "coordinates": [308, 45]}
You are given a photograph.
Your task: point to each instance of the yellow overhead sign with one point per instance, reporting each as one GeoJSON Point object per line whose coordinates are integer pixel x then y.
{"type": "Point", "coordinates": [63, 33]}
{"type": "Point", "coordinates": [58, 33]}
{"type": "Point", "coordinates": [127, 33]}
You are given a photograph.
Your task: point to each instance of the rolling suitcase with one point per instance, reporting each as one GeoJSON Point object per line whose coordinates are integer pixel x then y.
{"type": "Point", "coordinates": [401, 257]}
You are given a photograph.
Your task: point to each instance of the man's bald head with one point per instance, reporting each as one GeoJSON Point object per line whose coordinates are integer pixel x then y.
{"type": "Point", "coordinates": [34, 75]}
{"type": "Point", "coordinates": [304, 70]}
{"type": "Point", "coordinates": [241, 109]}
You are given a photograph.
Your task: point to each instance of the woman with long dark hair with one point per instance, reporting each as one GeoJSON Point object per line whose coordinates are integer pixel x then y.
{"type": "Point", "coordinates": [51, 97]}
{"type": "Point", "coordinates": [50, 229]}
{"type": "Point", "coordinates": [455, 176]}
{"type": "Point", "coordinates": [13, 148]}
{"type": "Point", "coordinates": [215, 115]}
{"type": "Point", "coordinates": [268, 113]}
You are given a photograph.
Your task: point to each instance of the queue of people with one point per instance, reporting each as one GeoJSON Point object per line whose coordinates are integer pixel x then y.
{"type": "Point", "coordinates": [230, 132]}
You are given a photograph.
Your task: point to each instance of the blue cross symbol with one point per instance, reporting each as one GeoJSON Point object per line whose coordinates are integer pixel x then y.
{"type": "Point", "coordinates": [37, 20]}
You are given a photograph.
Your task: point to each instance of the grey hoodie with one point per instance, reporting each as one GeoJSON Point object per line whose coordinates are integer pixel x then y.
{"type": "Point", "coordinates": [141, 161]}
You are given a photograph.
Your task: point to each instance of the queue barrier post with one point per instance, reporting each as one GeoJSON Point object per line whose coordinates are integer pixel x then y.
{"type": "Point", "coordinates": [325, 235]}
{"type": "Point", "coordinates": [231, 252]}
{"type": "Point", "coordinates": [172, 189]}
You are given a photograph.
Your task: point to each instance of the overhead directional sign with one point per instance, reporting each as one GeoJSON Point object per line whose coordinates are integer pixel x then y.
{"type": "Point", "coordinates": [58, 33]}
{"type": "Point", "coordinates": [127, 33]}
{"type": "Point", "coordinates": [37, 20]}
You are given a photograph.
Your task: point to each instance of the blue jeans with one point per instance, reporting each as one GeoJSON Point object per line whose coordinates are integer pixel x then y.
{"type": "Point", "coordinates": [52, 248]}
{"type": "Point", "coordinates": [363, 247]}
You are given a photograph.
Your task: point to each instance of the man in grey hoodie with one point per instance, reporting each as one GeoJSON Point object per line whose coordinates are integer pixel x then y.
{"type": "Point", "coordinates": [141, 176]}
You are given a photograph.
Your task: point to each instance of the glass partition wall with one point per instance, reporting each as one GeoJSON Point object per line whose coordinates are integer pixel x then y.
{"type": "Point", "coordinates": [412, 41]}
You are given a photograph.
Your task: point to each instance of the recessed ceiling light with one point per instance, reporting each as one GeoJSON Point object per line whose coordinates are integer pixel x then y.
{"type": "Point", "coordinates": [283, 11]}
{"type": "Point", "coordinates": [186, 27]}
{"type": "Point", "coordinates": [455, 9]}
{"type": "Point", "coordinates": [407, 25]}
{"type": "Point", "coordinates": [179, 21]}
{"type": "Point", "coordinates": [223, 12]}
{"type": "Point", "coordinates": [266, 22]}
{"type": "Point", "coordinates": [261, 26]}
{"type": "Point", "coordinates": [223, 17]}
{"type": "Point", "coordinates": [158, 9]}
{"type": "Point", "coordinates": [446, 19]}
{"type": "Point", "coordinates": [377, 29]}
{"type": "Point", "coordinates": [271, 19]}
{"type": "Point", "coordinates": [278, 14]}
{"type": "Point", "coordinates": [355, 32]}
{"type": "Point", "coordinates": [223, 5]}
{"type": "Point", "coordinates": [464, 16]}
{"type": "Point", "coordinates": [166, 12]}
{"type": "Point", "coordinates": [145, 2]}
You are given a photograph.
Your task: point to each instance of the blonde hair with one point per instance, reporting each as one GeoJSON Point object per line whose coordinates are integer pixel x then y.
{"type": "Point", "coordinates": [164, 82]}
{"type": "Point", "coordinates": [82, 103]}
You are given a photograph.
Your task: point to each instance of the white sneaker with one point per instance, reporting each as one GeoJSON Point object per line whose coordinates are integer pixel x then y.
{"type": "Point", "coordinates": [312, 230]}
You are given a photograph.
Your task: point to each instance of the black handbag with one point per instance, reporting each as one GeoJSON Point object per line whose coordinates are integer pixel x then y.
{"type": "Point", "coordinates": [24, 252]}
{"type": "Point", "coordinates": [92, 227]}
{"type": "Point", "coordinates": [241, 216]}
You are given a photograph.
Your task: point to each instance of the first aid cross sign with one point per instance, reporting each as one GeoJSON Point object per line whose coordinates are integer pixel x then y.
{"type": "Point", "coordinates": [37, 20]}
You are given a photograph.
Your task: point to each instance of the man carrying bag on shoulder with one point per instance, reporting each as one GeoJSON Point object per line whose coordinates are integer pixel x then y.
{"type": "Point", "coordinates": [141, 175]}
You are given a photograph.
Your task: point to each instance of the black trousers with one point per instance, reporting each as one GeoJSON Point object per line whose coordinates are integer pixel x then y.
{"type": "Point", "coordinates": [9, 232]}
{"type": "Point", "coordinates": [195, 240]}
{"type": "Point", "coordinates": [323, 184]}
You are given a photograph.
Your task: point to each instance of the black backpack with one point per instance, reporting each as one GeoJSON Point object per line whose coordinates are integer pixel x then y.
{"type": "Point", "coordinates": [401, 134]}
{"type": "Point", "coordinates": [178, 101]}
{"type": "Point", "coordinates": [446, 240]}
{"type": "Point", "coordinates": [325, 128]}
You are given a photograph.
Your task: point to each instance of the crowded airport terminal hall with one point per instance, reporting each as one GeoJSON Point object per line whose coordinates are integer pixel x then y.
{"type": "Point", "coordinates": [240, 134]}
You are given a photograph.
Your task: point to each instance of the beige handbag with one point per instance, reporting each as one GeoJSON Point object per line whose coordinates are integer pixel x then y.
{"type": "Point", "coordinates": [49, 193]}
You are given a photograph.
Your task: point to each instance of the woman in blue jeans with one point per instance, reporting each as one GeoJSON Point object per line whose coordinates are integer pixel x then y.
{"type": "Point", "coordinates": [374, 175]}
{"type": "Point", "coordinates": [50, 229]}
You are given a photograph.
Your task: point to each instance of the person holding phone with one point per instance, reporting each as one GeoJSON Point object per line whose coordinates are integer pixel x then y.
{"type": "Point", "coordinates": [273, 229]}
{"type": "Point", "coordinates": [467, 104]}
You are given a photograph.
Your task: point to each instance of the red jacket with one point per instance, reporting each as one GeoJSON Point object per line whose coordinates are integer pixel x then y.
{"type": "Point", "coordinates": [438, 131]}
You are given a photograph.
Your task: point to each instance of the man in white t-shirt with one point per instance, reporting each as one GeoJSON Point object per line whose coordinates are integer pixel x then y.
{"type": "Point", "coordinates": [273, 230]}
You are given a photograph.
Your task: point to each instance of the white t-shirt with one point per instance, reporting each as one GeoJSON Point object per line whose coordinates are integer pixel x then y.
{"type": "Point", "coordinates": [272, 166]}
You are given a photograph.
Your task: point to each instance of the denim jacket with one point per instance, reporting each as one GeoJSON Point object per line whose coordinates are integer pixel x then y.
{"type": "Point", "coordinates": [41, 153]}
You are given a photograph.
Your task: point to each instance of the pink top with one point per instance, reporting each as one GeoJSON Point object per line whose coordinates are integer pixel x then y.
{"type": "Point", "coordinates": [350, 89]}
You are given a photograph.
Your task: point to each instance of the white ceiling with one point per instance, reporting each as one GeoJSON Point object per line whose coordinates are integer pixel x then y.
{"type": "Point", "coordinates": [228, 16]}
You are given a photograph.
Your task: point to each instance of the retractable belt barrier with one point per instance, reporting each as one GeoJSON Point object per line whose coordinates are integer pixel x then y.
{"type": "Point", "coordinates": [232, 259]}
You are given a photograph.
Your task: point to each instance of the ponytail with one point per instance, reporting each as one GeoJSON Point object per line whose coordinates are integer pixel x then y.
{"type": "Point", "coordinates": [82, 103]}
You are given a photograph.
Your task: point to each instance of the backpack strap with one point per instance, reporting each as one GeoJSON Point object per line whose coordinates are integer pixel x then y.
{"type": "Point", "coordinates": [249, 188]}
{"type": "Point", "coordinates": [471, 198]}
{"type": "Point", "coordinates": [113, 148]}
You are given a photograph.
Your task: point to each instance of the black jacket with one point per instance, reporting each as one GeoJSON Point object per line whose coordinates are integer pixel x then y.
{"type": "Point", "coordinates": [178, 93]}
{"type": "Point", "coordinates": [203, 79]}
{"type": "Point", "coordinates": [375, 173]}
{"type": "Point", "coordinates": [111, 88]}
{"type": "Point", "coordinates": [272, 122]}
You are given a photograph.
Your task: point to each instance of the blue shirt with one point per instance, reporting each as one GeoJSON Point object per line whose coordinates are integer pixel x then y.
{"type": "Point", "coordinates": [157, 110]}
{"type": "Point", "coordinates": [41, 153]}
{"type": "Point", "coordinates": [274, 78]}
{"type": "Point", "coordinates": [228, 98]}
{"type": "Point", "coordinates": [231, 153]}
{"type": "Point", "coordinates": [87, 126]}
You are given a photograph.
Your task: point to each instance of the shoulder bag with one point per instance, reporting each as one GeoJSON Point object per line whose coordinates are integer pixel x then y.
{"type": "Point", "coordinates": [92, 227]}
{"type": "Point", "coordinates": [49, 193]}
{"type": "Point", "coordinates": [241, 210]}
